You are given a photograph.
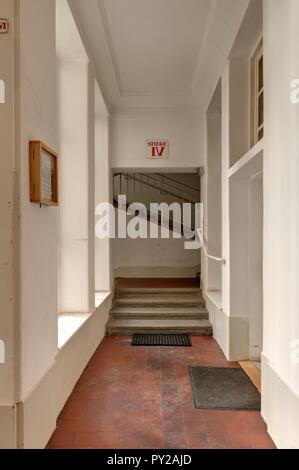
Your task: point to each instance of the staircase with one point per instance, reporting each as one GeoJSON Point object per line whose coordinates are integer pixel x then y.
{"type": "Point", "coordinates": [158, 310]}
{"type": "Point", "coordinates": [157, 188]}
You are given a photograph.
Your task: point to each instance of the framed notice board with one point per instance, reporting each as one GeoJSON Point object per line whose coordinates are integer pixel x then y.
{"type": "Point", "coordinates": [43, 174]}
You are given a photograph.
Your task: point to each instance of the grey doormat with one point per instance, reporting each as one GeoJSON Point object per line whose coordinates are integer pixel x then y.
{"type": "Point", "coordinates": [223, 388]}
{"type": "Point", "coordinates": [161, 340]}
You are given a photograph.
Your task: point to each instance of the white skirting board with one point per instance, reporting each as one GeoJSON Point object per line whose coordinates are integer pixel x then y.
{"type": "Point", "coordinates": [280, 408]}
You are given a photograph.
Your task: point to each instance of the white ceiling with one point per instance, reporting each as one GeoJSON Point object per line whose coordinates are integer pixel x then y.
{"type": "Point", "coordinates": [155, 43]}
{"type": "Point", "coordinates": [158, 54]}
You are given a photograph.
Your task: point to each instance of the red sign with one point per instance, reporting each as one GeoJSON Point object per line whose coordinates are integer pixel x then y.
{"type": "Point", "coordinates": [4, 26]}
{"type": "Point", "coordinates": [157, 149]}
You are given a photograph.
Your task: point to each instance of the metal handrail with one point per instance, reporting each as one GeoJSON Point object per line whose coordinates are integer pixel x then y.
{"type": "Point", "coordinates": [157, 187]}
{"type": "Point", "coordinates": [170, 193]}
{"type": "Point", "coordinates": [152, 177]}
{"type": "Point", "coordinates": [205, 249]}
{"type": "Point", "coordinates": [177, 182]}
{"type": "Point", "coordinates": [172, 186]}
{"type": "Point", "coordinates": [164, 177]}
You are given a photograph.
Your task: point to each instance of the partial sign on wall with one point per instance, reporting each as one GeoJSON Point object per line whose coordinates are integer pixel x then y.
{"type": "Point", "coordinates": [157, 149]}
{"type": "Point", "coordinates": [2, 352]}
{"type": "Point", "coordinates": [2, 92]}
{"type": "Point", "coordinates": [4, 26]}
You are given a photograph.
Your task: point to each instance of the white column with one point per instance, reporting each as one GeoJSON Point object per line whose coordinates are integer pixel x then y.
{"type": "Point", "coordinates": [102, 190]}
{"type": "Point", "coordinates": [280, 359]}
{"type": "Point", "coordinates": [7, 212]}
{"type": "Point", "coordinates": [76, 257]}
{"type": "Point", "coordinates": [102, 247]}
{"type": "Point", "coordinates": [205, 202]}
{"type": "Point", "coordinates": [214, 199]}
{"type": "Point", "coordinates": [225, 191]}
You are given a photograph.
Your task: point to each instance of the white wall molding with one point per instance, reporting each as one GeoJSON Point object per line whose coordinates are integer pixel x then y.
{"type": "Point", "coordinates": [250, 164]}
{"type": "Point", "coordinates": [280, 407]}
{"type": "Point", "coordinates": [158, 113]}
{"type": "Point", "coordinates": [205, 87]}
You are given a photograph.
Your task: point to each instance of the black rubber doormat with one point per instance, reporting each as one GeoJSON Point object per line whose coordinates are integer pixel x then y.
{"type": "Point", "coordinates": [223, 388]}
{"type": "Point", "coordinates": [161, 340]}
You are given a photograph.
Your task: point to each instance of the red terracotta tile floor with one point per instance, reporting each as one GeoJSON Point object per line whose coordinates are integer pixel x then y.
{"type": "Point", "coordinates": [140, 397]}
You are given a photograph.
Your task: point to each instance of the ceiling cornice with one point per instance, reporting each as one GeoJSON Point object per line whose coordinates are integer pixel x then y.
{"type": "Point", "coordinates": [90, 25]}
{"type": "Point", "coordinates": [156, 113]}
{"type": "Point", "coordinates": [203, 44]}
{"type": "Point", "coordinates": [211, 70]}
{"type": "Point", "coordinates": [110, 45]}
{"type": "Point", "coordinates": [224, 20]}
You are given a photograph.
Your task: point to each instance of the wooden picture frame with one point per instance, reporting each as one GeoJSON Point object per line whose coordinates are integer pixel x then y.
{"type": "Point", "coordinates": [43, 174]}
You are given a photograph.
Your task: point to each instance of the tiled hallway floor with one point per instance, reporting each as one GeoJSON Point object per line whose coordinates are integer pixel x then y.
{"type": "Point", "coordinates": [141, 397]}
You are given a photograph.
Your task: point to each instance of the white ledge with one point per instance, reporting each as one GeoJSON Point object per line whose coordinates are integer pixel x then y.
{"type": "Point", "coordinates": [254, 157]}
{"type": "Point", "coordinates": [70, 323]}
{"type": "Point", "coordinates": [100, 297]}
{"type": "Point", "coordinates": [215, 296]}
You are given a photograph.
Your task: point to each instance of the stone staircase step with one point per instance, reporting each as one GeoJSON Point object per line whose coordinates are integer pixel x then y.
{"type": "Point", "coordinates": [167, 310]}
{"type": "Point", "coordinates": [127, 292]}
{"type": "Point", "coordinates": [160, 312]}
{"type": "Point", "coordinates": [129, 327]}
{"type": "Point", "coordinates": [159, 301]}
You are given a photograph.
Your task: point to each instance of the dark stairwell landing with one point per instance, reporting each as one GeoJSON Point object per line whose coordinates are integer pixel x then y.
{"type": "Point", "coordinates": [159, 306]}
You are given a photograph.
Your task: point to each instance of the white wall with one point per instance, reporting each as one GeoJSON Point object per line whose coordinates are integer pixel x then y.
{"type": "Point", "coordinates": [128, 139]}
{"type": "Point", "coordinates": [38, 120]}
{"type": "Point", "coordinates": [256, 267]}
{"type": "Point", "coordinates": [240, 77]}
{"type": "Point", "coordinates": [225, 163]}
{"type": "Point", "coordinates": [154, 257]}
{"type": "Point", "coordinates": [8, 236]}
{"type": "Point", "coordinates": [232, 329]}
{"type": "Point", "coordinates": [77, 182]}
{"type": "Point", "coordinates": [280, 374]}
{"type": "Point", "coordinates": [102, 193]}
{"type": "Point", "coordinates": [46, 376]}
{"type": "Point", "coordinates": [213, 207]}
{"type": "Point", "coordinates": [239, 103]}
